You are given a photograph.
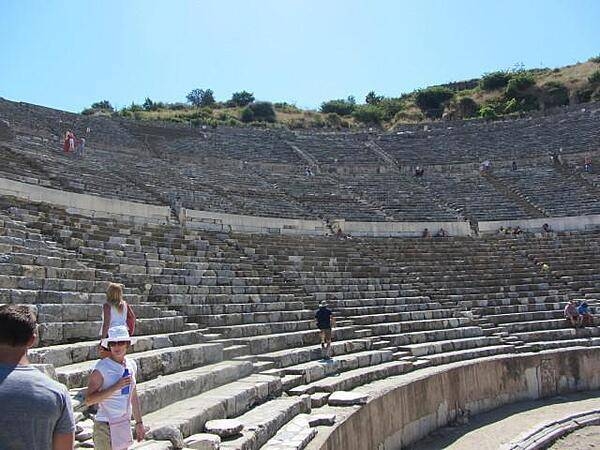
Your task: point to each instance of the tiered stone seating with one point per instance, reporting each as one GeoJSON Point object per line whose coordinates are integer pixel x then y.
{"type": "Point", "coordinates": [337, 148]}
{"type": "Point", "coordinates": [572, 129]}
{"type": "Point", "coordinates": [553, 191]}
{"type": "Point", "coordinates": [260, 171]}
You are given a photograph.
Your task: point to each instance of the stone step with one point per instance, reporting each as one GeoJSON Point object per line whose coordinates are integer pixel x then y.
{"type": "Point", "coordinates": [150, 363]}
{"type": "Point", "coordinates": [402, 316]}
{"type": "Point", "coordinates": [160, 392]}
{"type": "Point", "coordinates": [230, 400]}
{"type": "Point", "coordinates": [563, 343]}
{"type": "Point", "coordinates": [430, 348]}
{"type": "Point", "coordinates": [470, 353]}
{"type": "Point", "coordinates": [65, 332]}
{"type": "Point", "coordinates": [418, 325]}
{"type": "Point", "coordinates": [240, 308]}
{"type": "Point", "coordinates": [417, 337]}
{"type": "Point", "coordinates": [36, 297]}
{"type": "Point", "coordinates": [62, 355]}
{"type": "Point", "coordinates": [222, 320]}
{"type": "Point", "coordinates": [293, 356]}
{"type": "Point", "coordinates": [261, 329]}
{"type": "Point", "coordinates": [296, 435]}
{"type": "Point", "coordinates": [557, 334]}
{"type": "Point", "coordinates": [264, 421]}
{"type": "Point", "coordinates": [273, 342]}
{"type": "Point", "coordinates": [384, 309]}
{"type": "Point", "coordinates": [48, 312]}
{"type": "Point", "coordinates": [349, 380]}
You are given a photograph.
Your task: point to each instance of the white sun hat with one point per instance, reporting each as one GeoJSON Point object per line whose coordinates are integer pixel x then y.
{"type": "Point", "coordinates": [117, 334]}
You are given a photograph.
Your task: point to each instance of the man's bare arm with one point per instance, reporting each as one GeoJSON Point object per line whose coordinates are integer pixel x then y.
{"type": "Point", "coordinates": [63, 441]}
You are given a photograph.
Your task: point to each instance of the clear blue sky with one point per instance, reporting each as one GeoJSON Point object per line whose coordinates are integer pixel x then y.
{"type": "Point", "coordinates": [69, 53]}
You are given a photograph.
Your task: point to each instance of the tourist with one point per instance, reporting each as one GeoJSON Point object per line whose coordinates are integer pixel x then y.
{"type": "Point", "coordinates": [442, 233]}
{"type": "Point", "coordinates": [587, 319]}
{"type": "Point", "coordinates": [419, 172]}
{"type": "Point", "coordinates": [115, 312]}
{"type": "Point", "coordinates": [571, 314]}
{"type": "Point", "coordinates": [69, 144]}
{"type": "Point", "coordinates": [587, 163]}
{"type": "Point", "coordinates": [36, 410]}
{"type": "Point", "coordinates": [325, 321]}
{"type": "Point", "coordinates": [112, 387]}
{"type": "Point", "coordinates": [426, 233]}
{"type": "Point", "coordinates": [546, 228]}
{"type": "Point", "coordinates": [514, 165]}
{"type": "Point", "coordinates": [517, 231]}
{"type": "Point", "coordinates": [80, 150]}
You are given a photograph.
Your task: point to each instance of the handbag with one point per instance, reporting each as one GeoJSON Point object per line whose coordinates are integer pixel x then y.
{"type": "Point", "coordinates": [130, 320]}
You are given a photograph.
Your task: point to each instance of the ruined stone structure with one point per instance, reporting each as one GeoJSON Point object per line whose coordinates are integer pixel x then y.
{"type": "Point", "coordinates": [226, 319]}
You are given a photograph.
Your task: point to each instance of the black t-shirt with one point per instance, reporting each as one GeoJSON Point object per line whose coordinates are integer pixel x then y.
{"type": "Point", "coordinates": [323, 316]}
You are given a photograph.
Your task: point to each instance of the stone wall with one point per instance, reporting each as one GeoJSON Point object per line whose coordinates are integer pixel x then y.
{"type": "Point", "coordinates": [571, 223]}
{"type": "Point", "coordinates": [403, 229]}
{"type": "Point", "coordinates": [408, 410]}
{"type": "Point", "coordinates": [87, 205]}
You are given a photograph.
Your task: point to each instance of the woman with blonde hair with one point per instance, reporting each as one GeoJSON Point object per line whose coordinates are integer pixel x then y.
{"type": "Point", "coordinates": [116, 312]}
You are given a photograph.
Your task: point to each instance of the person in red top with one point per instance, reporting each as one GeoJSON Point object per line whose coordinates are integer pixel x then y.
{"type": "Point", "coordinates": [69, 144]}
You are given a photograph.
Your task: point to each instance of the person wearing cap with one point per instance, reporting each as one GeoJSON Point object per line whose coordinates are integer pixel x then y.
{"type": "Point", "coordinates": [325, 321]}
{"type": "Point", "coordinates": [112, 387]}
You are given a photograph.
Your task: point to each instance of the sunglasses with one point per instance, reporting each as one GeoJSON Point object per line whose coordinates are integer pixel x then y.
{"type": "Point", "coordinates": [117, 343]}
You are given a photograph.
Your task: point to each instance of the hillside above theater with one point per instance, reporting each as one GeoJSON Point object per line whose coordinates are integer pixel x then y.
{"type": "Point", "coordinates": [497, 94]}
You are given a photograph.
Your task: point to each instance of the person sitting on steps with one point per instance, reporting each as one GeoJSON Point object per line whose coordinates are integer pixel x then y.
{"type": "Point", "coordinates": [572, 315]}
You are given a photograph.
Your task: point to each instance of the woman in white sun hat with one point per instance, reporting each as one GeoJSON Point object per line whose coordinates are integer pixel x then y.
{"type": "Point", "coordinates": [112, 387]}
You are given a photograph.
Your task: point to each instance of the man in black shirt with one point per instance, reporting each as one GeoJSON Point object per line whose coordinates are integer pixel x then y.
{"type": "Point", "coordinates": [325, 321]}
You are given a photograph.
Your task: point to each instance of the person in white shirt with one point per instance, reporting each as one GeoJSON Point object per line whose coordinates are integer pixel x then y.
{"type": "Point", "coordinates": [112, 387]}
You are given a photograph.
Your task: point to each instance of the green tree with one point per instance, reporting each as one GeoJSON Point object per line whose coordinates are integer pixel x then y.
{"type": "Point", "coordinates": [201, 97]}
{"type": "Point", "coordinates": [242, 98]}
{"type": "Point", "coordinates": [487, 112]}
{"type": "Point", "coordinates": [373, 99]}
{"type": "Point", "coordinates": [431, 101]}
{"type": "Point", "coordinates": [104, 104]}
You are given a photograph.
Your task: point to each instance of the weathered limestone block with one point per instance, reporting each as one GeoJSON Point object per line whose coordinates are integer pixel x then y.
{"type": "Point", "coordinates": [321, 419]}
{"type": "Point", "coordinates": [224, 427]}
{"type": "Point", "coordinates": [343, 398]}
{"type": "Point", "coordinates": [203, 441]}
{"type": "Point", "coordinates": [169, 433]}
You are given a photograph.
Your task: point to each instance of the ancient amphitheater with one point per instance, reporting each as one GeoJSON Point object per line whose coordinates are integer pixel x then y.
{"type": "Point", "coordinates": [430, 332]}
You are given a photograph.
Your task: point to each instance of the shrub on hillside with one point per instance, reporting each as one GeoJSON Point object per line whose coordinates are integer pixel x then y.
{"type": "Point", "coordinates": [373, 99]}
{"type": "Point", "coordinates": [258, 112]}
{"type": "Point", "coordinates": [554, 94]}
{"type": "Point", "coordinates": [242, 98]}
{"type": "Point", "coordinates": [431, 100]}
{"type": "Point", "coordinates": [201, 97]}
{"type": "Point", "coordinates": [286, 107]}
{"type": "Point", "coordinates": [487, 112]}
{"type": "Point", "coordinates": [368, 114]}
{"type": "Point", "coordinates": [518, 84]}
{"type": "Point", "coordinates": [494, 80]}
{"type": "Point", "coordinates": [247, 115]}
{"type": "Point", "coordinates": [104, 104]}
{"type": "Point", "coordinates": [339, 106]}
{"type": "Point", "coordinates": [594, 77]}
{"type": "Point", "coordinates": [595, 59]}
{"type": "Point", "coordinates": [463, 108]}
{"type": "Point", "coordinates": [390, 107]}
